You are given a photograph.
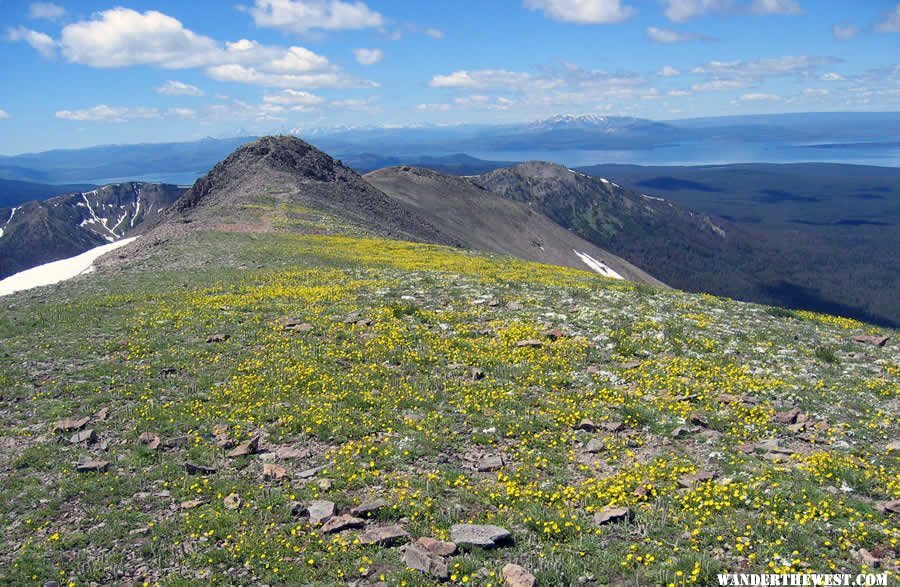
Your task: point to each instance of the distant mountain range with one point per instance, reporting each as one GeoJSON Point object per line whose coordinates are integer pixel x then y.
{"type": "Point", "coordinates": [406, 145]}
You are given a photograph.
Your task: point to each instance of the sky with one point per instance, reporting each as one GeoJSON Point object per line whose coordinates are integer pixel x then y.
{"type": "Point", "coordinates": [81, 73]}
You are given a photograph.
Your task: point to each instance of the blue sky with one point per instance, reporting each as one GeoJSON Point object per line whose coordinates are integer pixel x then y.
{"type": "Point", "coordinates": [99, 72]}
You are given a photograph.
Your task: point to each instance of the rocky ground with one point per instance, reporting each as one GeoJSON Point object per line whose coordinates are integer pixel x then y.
{"type": "Point", "coordinates": [238, 408]}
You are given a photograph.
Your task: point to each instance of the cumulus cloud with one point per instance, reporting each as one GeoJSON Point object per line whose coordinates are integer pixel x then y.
{"type": "Point", "coordinates": [301, 16]}
{"type": "Point", "coordinates": [668, 36]}
{"type": "Point", "coordinates": [368, 56]}
{"type": "Point", "coordinates": [775, 7]}
{"type": "Point", "coordinates": [844, 32]}
{"type": "Point", "coordinates": [104, 113]}
{"type": "Point", "coordinates": [121, 37]}
{"type": "Point", "coordinates": [815, 92]}
{"type": "Point", "coordinates": [434, 33]}
{"type": "Point", "coordinates": [45, 11]}
{"type": "Point", "coordinates": [40, 42]}
{"type": "Point", "coordinates": [583, 11]}
{"type": "Point", "coordinates": [4, 114]}
{"type": "Point", "coordinates": [832, 76]}
{"type": "Point", "coordinates": [668, 71]}
{"type": "Point", "coordinates": [891, 22]}
{"type": "Point", "coordinates": [176, 88]}
{"type": "Point", "coordinates": [678, 93]}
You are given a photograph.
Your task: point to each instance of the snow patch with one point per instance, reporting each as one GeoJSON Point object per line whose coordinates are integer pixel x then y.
{"type": "Point", "coordinates": [653, 198]}
{"type": "Point", "coordinates": [598, 266]}
{"type": "Point", "coordinates": [58, 271]}
{"type": "Point", "coordinates": [11, 215]}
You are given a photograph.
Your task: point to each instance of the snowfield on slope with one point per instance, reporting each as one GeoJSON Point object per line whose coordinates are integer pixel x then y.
{"type": "Point", "coordinates": [58, 271]}
{"type": "Point", "coordinates": [598, 266]}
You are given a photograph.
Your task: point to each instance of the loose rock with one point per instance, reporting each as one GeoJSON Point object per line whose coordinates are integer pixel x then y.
{"type": "Point", "coordinates": [92, 467]}
{"type": "Point", "coordinates": [421, 560]}
{"type": "Point", "coordinates": [872, 339]}
{"type": "Point", "coordinates": [274, 472]}
{"type": "Point", "coordinates": [217, 338]}
{"type": "Point", "coordinates": [320, 511]}
{"type": "Point", "coordinates": [195, 469]}
{"type": "Point", "coordinates": [479, 535]}
{"type": "Point", "coordinates": [517, 576]}
{"type": "Point", "coordinates": [437, 547]}
{"type": "Point", "coordinates": [490, 463]}
{"type": "Point", "coordinates": [341, 523]}
{"type": "Point", "coordinates": [87, 436]}
{"type": "Point", "coordinates": [384, 536]}
{"type": "Point", "coordinates": [245, 449]}
{"type": "Point", "coordinates": [70, 424]}
{"type": "Point", "coordinates": [368, 508]}
{"type": "Point", "coordinates": [149, 440]}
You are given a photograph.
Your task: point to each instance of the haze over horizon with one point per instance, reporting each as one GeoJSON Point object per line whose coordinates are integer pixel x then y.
{"type": "Point", "coordinates": [143, 71]}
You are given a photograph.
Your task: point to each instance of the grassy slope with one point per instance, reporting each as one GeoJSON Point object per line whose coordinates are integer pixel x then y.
{"type": "Point", "coordinates": [389, 411]}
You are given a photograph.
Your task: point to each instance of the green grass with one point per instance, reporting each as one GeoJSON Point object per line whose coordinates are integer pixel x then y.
{"type": "Point", "coordinates": [389, 411]}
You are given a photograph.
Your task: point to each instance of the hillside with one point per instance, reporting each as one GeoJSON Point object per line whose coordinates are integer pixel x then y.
{"type": "Point", "coordinates": [271, 408]}
{"type": "Point", "coordinates": [697, 252]}
{"type": "Point", "coordinates": [38, 232]}
{"type": "Point", "coordinates": [844, 220]}
{"type": "Point", "coordinates": [483, 221]}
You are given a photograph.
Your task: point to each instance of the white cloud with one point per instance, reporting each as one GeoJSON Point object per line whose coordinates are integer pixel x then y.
{"type": "Point", "coordinates": [832, 76]}
{"type": "Point", "coordinates": [759, 97]}
{"type": "Point", "coordinates": [583, 11]}
{"type": "Point", "coordinates": [368, 56]}
{"type": "Point", "coordinates": [678, 93]}
{"type": "Point", "coordinates": [891, 22]}
{"type": "Point", "coordinates": [301, 16]}
{"type": "Point", "coordinates": [669, 36]}
{"type": "Point", "coordinates": [296, 100]}
{"type": "Point", "coordinates": [40, 42]}
{"type": "Point", "coordinates": [45, 11]}
{"type": "Point", "coordinates": [762, 68]}
{"type": "Point", "coordinates": [121, 37]}
{"type": "Point", "coordinates": [776, 7]}
{"type": "Point", "coordinates": [434, 33]}
{"type": "Point", "coordinates": [104, 113]}
{"type": "Point", "coordinates": [251, 75]}
{"type": "Point", "coordinates": [471, 102]}
{"type": "Point", "coordinates": [4, 114]}
{"type": "Point", "coordinates": [815, 92]}
{"type": "Point", "coordinates": [683, 10]}
{"type": "Point", "coordinates": [487, 78]}
{"type": "Point", "coordinates": [668, 71]}
{"type": "Point", "coordinates": [844, 32]}
{"type": "Point", "coordinates": [176, 88]}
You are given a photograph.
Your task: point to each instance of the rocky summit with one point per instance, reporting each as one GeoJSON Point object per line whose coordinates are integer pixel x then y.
{"type": "Point", "coordinates": [301, 376]}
